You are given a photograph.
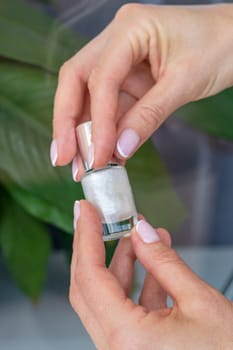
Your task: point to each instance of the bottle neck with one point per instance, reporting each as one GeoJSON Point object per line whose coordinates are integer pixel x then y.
{"type": "Point", "coordinates": [108, 166]}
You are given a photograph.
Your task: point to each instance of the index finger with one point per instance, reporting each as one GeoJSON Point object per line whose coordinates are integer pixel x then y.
{"type": "Point", "coordinates": [70, 97]}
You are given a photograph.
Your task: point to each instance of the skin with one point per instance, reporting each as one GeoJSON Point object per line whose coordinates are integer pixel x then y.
{"type": "Point", "coordinates": [146, 63]}
{"type": "Point", "coordinates": [201, 317]}
{"type": "Point", "coordinates": [149, 61]}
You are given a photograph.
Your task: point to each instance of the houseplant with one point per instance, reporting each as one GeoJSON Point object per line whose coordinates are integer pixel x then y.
{"type": "Point", "coordinates": [33, 194]}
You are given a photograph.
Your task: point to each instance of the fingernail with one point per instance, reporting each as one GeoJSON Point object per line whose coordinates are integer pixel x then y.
{"type": "Point", "coordinates": [76, 213]}
{"type": "Point", "coordinates": [127, 142]}
{"type": "Point", "coordinates": [147, 232]}
{"type": "Point", "coordinates": [75, 169]}
{"type": "Point", "coordinates": [90, 157]}
{"type": "Point", "coordinates": [53, 152]}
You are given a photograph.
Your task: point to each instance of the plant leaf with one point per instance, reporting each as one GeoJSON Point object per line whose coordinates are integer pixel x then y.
{"type": "Point", "coordinates": [26, 98]}
{"type": "Point", "coordinates": [49, 193]}
{"type": "Point", "coordinates": [26, 246]}
{"type": "Point", "coordinates": [155, 197]}
{"type": "Point", "coordinates": [212, 115]}
{"type": "Point", "coordinates": [30, 36]}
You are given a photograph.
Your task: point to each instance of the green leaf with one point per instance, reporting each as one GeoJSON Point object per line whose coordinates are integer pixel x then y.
{"type": "Point", "coordinates": [110, 247]}
{"type": "Point", "coordinates": [30, 36]}
{"type": "Point", "coordinates": [49, 193]}
{"type": "Point", "coordinates": [51, 202]}
{"type": "Point", "coordinates": [212, 115]}
{"type": "Point", "coordinates": [155, 197]}
{"type": "Point", "coordinates": [26, 246]}
{"type": "Point", "coordinates": [26, 98]}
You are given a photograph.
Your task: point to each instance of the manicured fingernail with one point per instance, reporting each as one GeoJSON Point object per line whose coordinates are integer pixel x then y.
{"type": "Point", "coordinates": [76, 213]}
{"type": "Point", "coordinates": [147, 232]}
{"type": "Point", "coordinates": [90, 157]}
{"type": "Point", "coordinates": [75, 169]}
{"type": "Point", "coordinates": [127, 142]}
{"type": "Point", "coordinates": [53, 152]}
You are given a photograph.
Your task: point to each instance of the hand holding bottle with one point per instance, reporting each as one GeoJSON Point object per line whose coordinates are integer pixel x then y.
{"type": "Point", "coordinates": [147, 62]}
{"type": "Point", "coordinates": [201, 317]}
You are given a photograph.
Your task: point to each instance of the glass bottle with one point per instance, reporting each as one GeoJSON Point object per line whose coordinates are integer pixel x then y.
{"type": "Point", "coordinates": [108, 189]}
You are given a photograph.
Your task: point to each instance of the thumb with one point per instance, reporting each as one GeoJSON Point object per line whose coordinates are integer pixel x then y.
{"type": "Point", "coordinates": [171, 272]}
{"type": "Point", "coordinates": [139, 123]}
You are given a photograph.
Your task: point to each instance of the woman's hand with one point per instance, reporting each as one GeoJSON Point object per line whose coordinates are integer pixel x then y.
{"type": "Point", "coordinates": [201, 317]}
{"type": "Point", "coordinates": [149, 61]}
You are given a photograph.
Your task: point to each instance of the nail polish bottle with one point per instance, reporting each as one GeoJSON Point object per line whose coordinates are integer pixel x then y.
{"type": "Point", "coordinates": [108, 189]}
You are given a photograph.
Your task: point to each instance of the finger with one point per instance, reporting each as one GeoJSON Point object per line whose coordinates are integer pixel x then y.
{"type": "Point", "coordinates": [73, 261]}
{"type": "Point", "coordinates": [153, 296]}
{"type": "Point", "coordinates": [69, 97]}
{"type": "Point", "coordinates": [68, 105]}
{"type": "Point", "coordinates": [148, 114]}
{"type": "Point", "coordinates": [104, 85]}
{"type": "Point", "coordinates": [77, 164]}
{"type": "Point", "coordinates": [77, 168]}
{"type": "Point", "coordinates": [124, 256]}
{"type": "Point", "coordinates": [89, 321]}
{"type": "Point", "coordinates": [141, 217]}
{"type": "Point", "coordinates": [122, 264]}
{"type": "Point", "coordinates": [135, 86]}
{"type": "Point", "coordinates": [77, 301]}
{"type": "Point", "coordinates": [126, 101]}
{"type": "Point", "coordinates": [100, 288]}
{"type": "Point", "coordinates": [139, 80]}
{"type": "Point", "coordinates": [137, 83]}
{"type": "Point", "coordinates": [171, 272]}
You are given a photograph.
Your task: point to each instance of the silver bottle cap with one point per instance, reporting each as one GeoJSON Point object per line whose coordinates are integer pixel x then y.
{"type": "Point", "coordinates": [83, 132]}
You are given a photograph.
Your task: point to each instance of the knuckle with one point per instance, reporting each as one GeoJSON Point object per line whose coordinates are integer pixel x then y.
{"type": "Point", "coordinates": [208, 301]}
{"type": "Point", "coordinates": [126, 10]}
{"type": "Point", "coordinates": [70, 69]}
{"type": "Point", "coordinates": [151, 116]}
{"type": "Point", "coordinates": [64, 70]}
{"type": "Point", "coordinates": [94, 79]}
{"type": "Point", "coordinates": [167, 256]}
{"type": "Point", "coordinates": [79, 276]}
{"type": "Point", "coordinates": [119, 339]}
{"type": "Point", "coordinates": [199, 304]}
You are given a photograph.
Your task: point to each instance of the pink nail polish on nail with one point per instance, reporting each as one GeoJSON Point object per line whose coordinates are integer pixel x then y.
{"type": "Point", "coordinates": [75, 169]}
{"type": "Point", "coordinates": [76, 213]}
{"type": "Point", "coordinates": [127, 142]}
{"type": "Point", "coordinates": [53, 152]}
{"type": "Point", "coordinates": [147, 232]}
{"type": "Point", "coordinates": [90, 157]}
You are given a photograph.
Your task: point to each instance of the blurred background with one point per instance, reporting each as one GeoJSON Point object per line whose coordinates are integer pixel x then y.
{"type": "Point", "coordinates": [182, 177]}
